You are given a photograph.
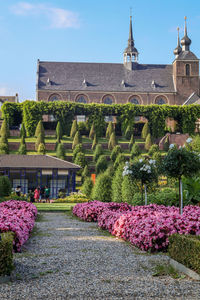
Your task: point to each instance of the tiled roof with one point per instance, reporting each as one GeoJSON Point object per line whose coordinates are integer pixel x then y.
{"type": "Point", "coordinates": [35, 162]}
{"type": "Point", "coordinates": [104, 77]}
{"type": "Point", "coordinates": [192, 99]}
{"type": "Point", "coordinates": [187, 55]}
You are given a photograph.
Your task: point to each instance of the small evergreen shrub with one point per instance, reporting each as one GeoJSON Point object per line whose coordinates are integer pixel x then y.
{"type": "Point", "coordinates": [5, 186]}
{"type": "Point", "coordinates": [94, 143]}
{"type": "Point", "coordinates": [23, 130]}
{"type": "Point", "coordinates": [80, 160]}
{"type": "Point", "coordinates": [112, 141]}
{"type": "Point", "coordinates": [40, 130]}
{"type": "Point", "coordinates": [74, 129]}
{"type": "Point", "coordinates": [116, 150]}
{"type": "Point", "coordinates": [117, 184]}
{"type": "Point", "coordinates": [87, 187]}
{"type": "Point", "coordinates": [4, 149]}
{"type": "Point", "coordinates": [128, 189]}
{"type": "Point", "coordinates": [77, 149]}
{"type": "Point", "coordinates": [5, 129]}
{"type": "Point", "coordinates": [41, 149]}
{"type": "Point", "coordinates": [98, 151]}
{"type": "Point", "coordinates": [109, 130]}
{"type": "Point", "coordinates": [185, 249]}
{"type": "Point", "coordinates": [22, 149]}
{"type": "Point", "coordinates": [129, 132]}
{"type": "Point", "coordinates": [195, 144]}
{"type": "Point", "coordinates": [77, 140]}
{"type": "Point", "coordinates": [101, 164]}
{"type": "Point", "coordinates": [39, 140]}
{"type": "Point", "coordinates": [131, 143]}
{"type": "Point", "coordinates": [102, 189]}
{"type": "Point", "coordinates": [60, 151]}
{"type": "Point", "coordinates": [135, 151]}
{"type": "Point", "coordinates": [154, 148]}
{"type": "Point", "coordinates": [110, 170]}
{"type": "Point", "coordinates": [59, 131]}
{"type": "Point", "coordinates": [92, 132]}
{"type": "Point", "coordinates": [85, 172]}
{"type": "Point", "coordinates": [121, 159]}
{"type": "Point", "coordinates": [148, 142]}
{"type": "Point", "coordinates": [82, 128]}
{"type": "Point", "coordinates": [6, 253]}
{"type": "Point", "coordinates": [145, 130]}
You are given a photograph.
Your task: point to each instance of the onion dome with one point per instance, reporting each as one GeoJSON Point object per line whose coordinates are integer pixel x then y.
{"type": "Point", "coordinates": [178, 49]}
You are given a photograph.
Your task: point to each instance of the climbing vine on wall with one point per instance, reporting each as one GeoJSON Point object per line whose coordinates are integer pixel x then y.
{"type": "Point", "coordinates": [65, 112]}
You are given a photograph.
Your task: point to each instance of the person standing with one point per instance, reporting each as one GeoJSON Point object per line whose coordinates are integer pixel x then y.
{"type": "Point", "coordinates": [47, 193]}
{"type": "Point", "coordinates": [37, 194]}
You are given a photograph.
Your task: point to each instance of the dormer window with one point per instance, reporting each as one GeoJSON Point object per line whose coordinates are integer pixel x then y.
{"type": "Point", "coordinates": [187, 70]}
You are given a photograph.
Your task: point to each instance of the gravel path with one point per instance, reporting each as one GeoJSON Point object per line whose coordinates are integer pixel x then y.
{"type": "Point", "coordinates": [70, 259]}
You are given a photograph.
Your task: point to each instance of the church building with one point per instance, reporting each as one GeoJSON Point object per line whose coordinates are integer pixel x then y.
{"type": "Point", "coordinates": [176, 83]}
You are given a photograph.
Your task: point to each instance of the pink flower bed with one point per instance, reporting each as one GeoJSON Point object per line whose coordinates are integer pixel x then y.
{"type": "Point", "coordinates": [18, 217]}
{"type": "Point", "coordinates": [147, 227]}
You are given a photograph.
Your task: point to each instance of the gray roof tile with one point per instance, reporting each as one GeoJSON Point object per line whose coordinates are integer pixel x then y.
{"type": "Point", "coordinates": [104, 77]}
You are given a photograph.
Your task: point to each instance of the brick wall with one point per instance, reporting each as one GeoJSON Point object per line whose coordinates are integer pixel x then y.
{"type": "Point", "coordinates": [178, 139]}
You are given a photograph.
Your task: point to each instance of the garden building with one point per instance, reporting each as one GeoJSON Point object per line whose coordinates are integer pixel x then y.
{"type": "Point", "coordinates": [127, 82]}
{"type": "Point", "coordinates": [31, 171]}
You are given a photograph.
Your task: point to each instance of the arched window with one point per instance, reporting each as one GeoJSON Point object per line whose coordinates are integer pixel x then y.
{"type": "Point", "coordinates": [107, 100]}
{"type": "Point", "coordinates": [55, 97]}
{"type": "Point", "coordinates": [160, 101]}
{"type": "Point", "coordinates": [81, 99]}
{"type": "Point", "coordinates": [187, 70]}
{"type": "Point", "coordinates": [134, 100]}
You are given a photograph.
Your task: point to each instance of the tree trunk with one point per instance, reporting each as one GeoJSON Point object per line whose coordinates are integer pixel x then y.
{"type": "Point", "coordinates": [180, 196]}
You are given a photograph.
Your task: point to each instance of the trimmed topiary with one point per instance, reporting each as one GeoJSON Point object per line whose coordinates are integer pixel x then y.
{"type": "Point", "coordinates": [40, 130]}
{"type": "Point", "coordinates": [112, 141]}
{"type": "Point", "coordinates": [5, 186]}
{"type": "Point", "coordinates": [41, 149]}
{"type": "Point", "coordinates": [131, 143]}
{"type": "Point", "coordinates": [80, 160]}
{"type": "Point", "coordinates": [102, 189]}
{"type": "Point", "coordinates": [22, 147]}
{"type": "Point", "coordinates": [87, 187]}
{"type": "Point", "coordinates": [121, 159]}
{"type": "Point", "coordinates": [148, 142]}
{"type": "Point", "coordinates": [59, 131]}
{"type": "Point", "coordinates": [117, 184]}
{"type": "Point", "coordinates": [145, 130]}
{"type": "Point", "coordinates": [77, 140]}
{"type": "Point", "coordinates": [92, 132]}
{"type": "Point", "coordinates": [116, 150]}
{"type": "Point", "coordinates": [60, 151]}
{"type": "Point", "coordinates": [135, 151]}
{"type": "Point", "coordinates": [77, 149]}
{"type": "Point", "coordinates": [154, 148]}
{"type": "Point", "coordinates": [101, 164]}
{"type": "Point", "coordinates": [5, 129]}
{"type": "Point", "coordinates": [85, 172]}
{"type": "Point", "coordinates": [23, 130]}
{"type": "Point", "coordinates": [109, 130]}
{"type": "Point", "coordinates": [98, 151]}
{"type": "Point", "coordinates": [74, 129]}
{"type": "Point", "coordinates": [39, 140]}
{"type": "Point", "coordinates": [129, 132]}
{"type": "Point", "coordinates": [6, 253]}
{"type": "Point", "coordinates": [95, 142]}
{"type": "Point", "coordinates": [128, 189]}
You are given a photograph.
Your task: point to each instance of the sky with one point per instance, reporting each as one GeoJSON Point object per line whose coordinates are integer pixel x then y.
{"type": "Point", "coordinates": [87, 31]}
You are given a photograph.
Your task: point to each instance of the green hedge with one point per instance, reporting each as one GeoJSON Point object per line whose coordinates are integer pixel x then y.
{"type": "Point", "coordinates": [186, 250]}
{"type": "Point", "coordinates": [6, 253]}
{"type": "Point", "coordinates": [65, 112]}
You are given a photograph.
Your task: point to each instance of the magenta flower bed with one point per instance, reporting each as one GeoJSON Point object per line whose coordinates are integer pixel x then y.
{"type": "Point", "coordinates": [18, 217]}
{"type": "Point", "coordinates": [147, 227]}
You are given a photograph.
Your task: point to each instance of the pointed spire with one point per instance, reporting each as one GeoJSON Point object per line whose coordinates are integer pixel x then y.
{"type": "Point", "coordinates": [178, 49]}
{"type": "Point", "coordinates": [130, 52]}
{"type": "Point", "coordinates": [186, 41]}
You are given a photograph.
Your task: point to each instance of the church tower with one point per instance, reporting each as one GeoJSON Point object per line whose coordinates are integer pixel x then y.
{"type": "Point", "coordinates": [130, 53]}
{"type": "Point", "coordinates": [185, 69]}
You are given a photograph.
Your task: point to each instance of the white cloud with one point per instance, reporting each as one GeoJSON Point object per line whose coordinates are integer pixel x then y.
{"type": "Point", "coordinates": [58, 17]}
{"type": "Point", "coordinates": [3, 91]}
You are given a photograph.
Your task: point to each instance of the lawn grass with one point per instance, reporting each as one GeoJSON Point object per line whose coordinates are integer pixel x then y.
{"type": "Point", "coordinates": [54, 206]}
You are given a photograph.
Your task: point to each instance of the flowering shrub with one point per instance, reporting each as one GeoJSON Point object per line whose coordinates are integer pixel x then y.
{"type": "Point", "coordinates": [18, 217]}
{"type": "Point", "coordinates": [147, 227]}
